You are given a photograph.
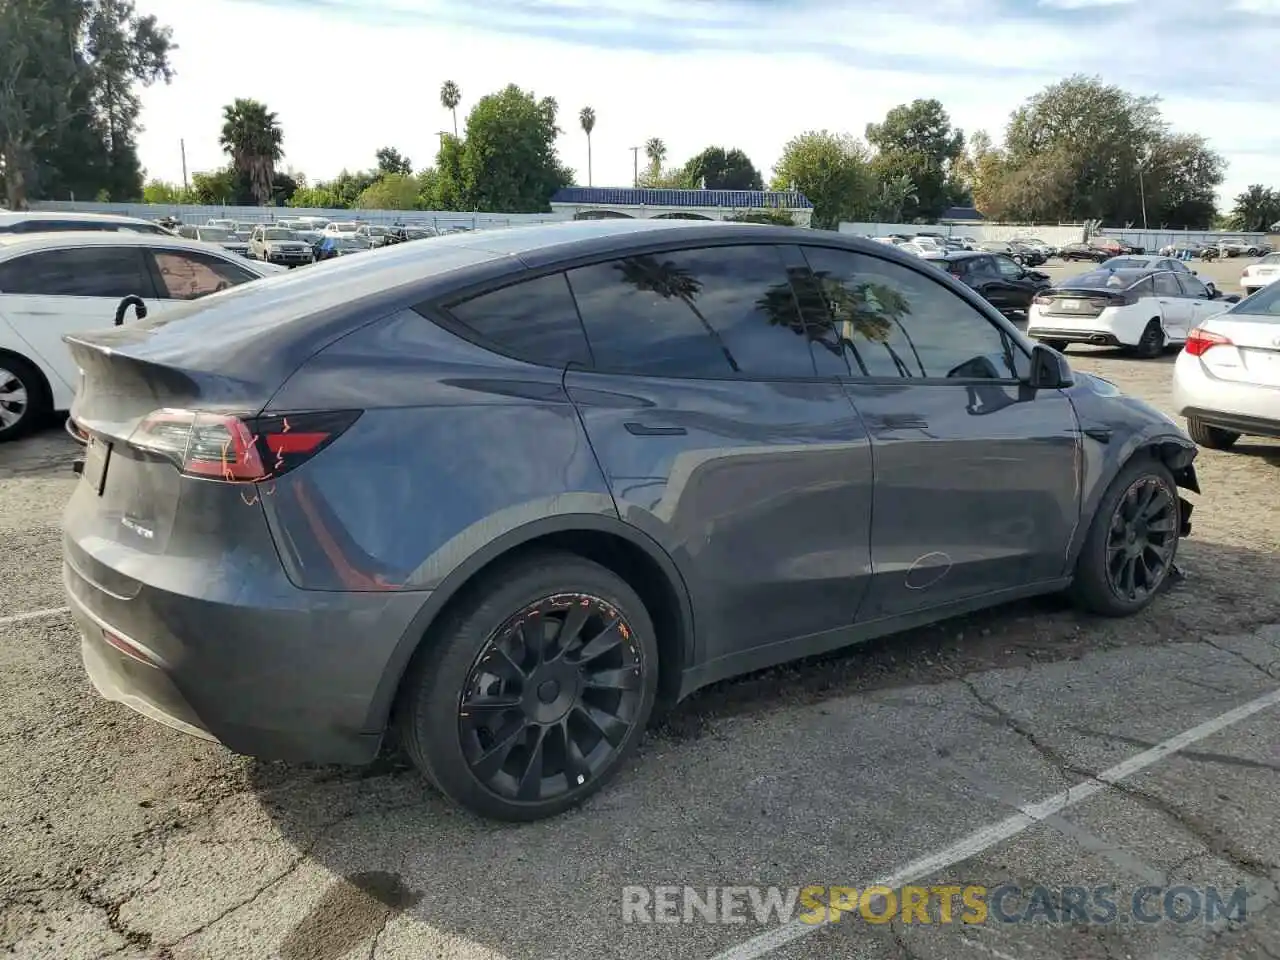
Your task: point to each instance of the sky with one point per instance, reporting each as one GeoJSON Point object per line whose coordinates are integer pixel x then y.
{"type": "Point", "coordinates": [346, 77]}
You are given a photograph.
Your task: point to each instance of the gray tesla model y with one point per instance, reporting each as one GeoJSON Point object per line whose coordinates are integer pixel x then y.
{"type": "Point", "coordinates": [503, 494]}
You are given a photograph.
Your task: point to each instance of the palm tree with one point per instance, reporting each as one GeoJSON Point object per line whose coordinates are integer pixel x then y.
{"type": "Point", "coordinates": [450, 97]}
{"type": "Point", "coordinates": [587, 117]}
{"type": "Point", "coordinates": [252, 136]}
{"type": "Point", "coordinates": [656, 151]}
{"type": "Point", "coordinates": [671, 282]}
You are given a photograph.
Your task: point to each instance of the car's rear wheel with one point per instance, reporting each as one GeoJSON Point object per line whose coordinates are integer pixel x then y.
{"type": "Point", "coordinates": [534, 691]}
{"type": "Point", "coordinates": [1132, 541]}
{"type": "Point", "coordinates": [1215, 438]}
{"type": "Point", "coordinates": [1151, 343]}
{"type": "Point", "coordinates": [24, 401]}
{"type": "Point", "coordinates": [1058, 345]}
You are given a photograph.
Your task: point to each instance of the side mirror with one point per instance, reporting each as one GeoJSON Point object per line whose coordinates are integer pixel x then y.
{"type": "Point", "coordinates": [1233, 298]}
{"type": "Point", "coordinates": [139, 309]}
{"type": "Point", "coordinates": [1049, 369]}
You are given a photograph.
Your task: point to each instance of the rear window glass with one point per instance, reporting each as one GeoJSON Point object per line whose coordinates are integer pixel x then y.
{"type": "Point", "coordinates": [535, 320]}
{"type": "Point", "coordinates": [1263, 305]}
{"type": "Point", "coordinates": [1098, 280]}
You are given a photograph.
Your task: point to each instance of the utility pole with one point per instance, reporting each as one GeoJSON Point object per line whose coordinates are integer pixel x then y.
{"type": "Point", "coordinates": [182, 145]}
{"type": "Point", "coordinates": [1142, 193]}
{"type": "Point", "coordinates": [635, 164]}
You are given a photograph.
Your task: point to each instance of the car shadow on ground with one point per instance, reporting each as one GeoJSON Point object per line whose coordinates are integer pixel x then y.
{"type": "Point", "coordinates": [387, 843]}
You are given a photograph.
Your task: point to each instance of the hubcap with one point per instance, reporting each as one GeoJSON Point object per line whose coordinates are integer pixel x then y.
{"type": "Point", "coordinates": [13, 398]}
{"type": "Point", "coordinates": [1142, 539]}
{"type": "Point", "coordinates": [551, 698]}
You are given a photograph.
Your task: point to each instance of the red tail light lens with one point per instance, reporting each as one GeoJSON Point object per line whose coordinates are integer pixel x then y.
{"type": "Point", "coordinates": [232, 449]}
{"type": "Point", "coordinates": [1201, 341]}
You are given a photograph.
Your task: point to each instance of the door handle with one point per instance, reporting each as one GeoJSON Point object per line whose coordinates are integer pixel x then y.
{"type": "Point", "coordinates": [644, 430]}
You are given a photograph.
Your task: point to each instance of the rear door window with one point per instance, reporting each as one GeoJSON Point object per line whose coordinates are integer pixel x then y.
{"type": "Point", "coordinates": [533, 320]}
{"type": "Point", "coordinates": [724, 311]}
{"type": "Point", "coordinates": [186, 275]}
{"type": "Point", "coordinates": [1166, 285]}
{"type": "Point", "coordinates": [113, 272]}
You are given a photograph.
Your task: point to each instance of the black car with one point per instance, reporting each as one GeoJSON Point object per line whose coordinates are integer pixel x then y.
{"type": "Point", "coordinates": [1083, 251]}
{"type": "Point", "coordinates": [504, 494]}
{"type": "Point", "coordinates": [1026, 255]}
{"type": "Point", "coordinates": [1004, 284]}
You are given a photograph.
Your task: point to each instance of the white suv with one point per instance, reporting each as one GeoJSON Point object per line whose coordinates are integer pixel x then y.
{"type": "Point", "coordinates": [53, 284]}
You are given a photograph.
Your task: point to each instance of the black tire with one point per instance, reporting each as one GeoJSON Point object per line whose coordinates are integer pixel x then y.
{"type": "Point", "coordinates": [1058, 345]}
{"type": "Point", "coordinates": [1213, 438]}
{"type": "Point", "coordinates": [22, 392]}
{"type": "Point", "coordinates": [1152, 342]}
{"type": "Point", "coordinates": [1098, 584]}
{"type": "Point", "coordinates": [467, 657]}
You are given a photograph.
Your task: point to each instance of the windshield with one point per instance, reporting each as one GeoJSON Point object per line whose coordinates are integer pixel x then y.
{"type": "Point", "coordinates": [1125, 263]}
{"type": "Point", "coordinates": [377, 231]}
{"type": "Point", "coordinates": [1270, 258]}
{"type": "Point", "coordinates": [279, 234]}
{"type": "Point", "coordinates": [216, 234]}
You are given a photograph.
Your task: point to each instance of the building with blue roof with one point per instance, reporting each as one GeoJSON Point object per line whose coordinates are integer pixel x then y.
{"type": "Point", "coordinates": [590, 203]}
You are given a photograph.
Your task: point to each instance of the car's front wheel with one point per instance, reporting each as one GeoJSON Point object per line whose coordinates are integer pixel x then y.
{"type": "Point", "coordinates": [1132, 541]}
{"type": "Point", "coordinates": [534, 691]}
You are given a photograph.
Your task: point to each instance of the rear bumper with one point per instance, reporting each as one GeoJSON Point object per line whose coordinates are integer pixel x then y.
{"type": "Point", "coordinates": [1240, 407]}
{"type": "Point", "coordinates": [294, 677]}
{"type": "Point", "coordinates": [1103, 338]}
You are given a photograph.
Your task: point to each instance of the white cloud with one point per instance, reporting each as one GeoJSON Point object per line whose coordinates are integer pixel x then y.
{"type": "Point", "coordinates": [344, 85]}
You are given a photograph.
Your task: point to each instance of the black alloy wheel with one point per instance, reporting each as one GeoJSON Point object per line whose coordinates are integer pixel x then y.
{"type": "Point", "coordinates": [551, 699]}
{"type": "Point", "coordinates": [533, 689]}
{"type": "Point", "coordinates": [1132, 541]}
{"type": "Point", "coordinates": [1142, 539]}
{"type": "Point", "coordinates": [1151, 344]}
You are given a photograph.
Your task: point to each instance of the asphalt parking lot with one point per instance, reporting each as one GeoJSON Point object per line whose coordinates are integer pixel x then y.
{"type": "Point", "coordinates": [1027, 745]}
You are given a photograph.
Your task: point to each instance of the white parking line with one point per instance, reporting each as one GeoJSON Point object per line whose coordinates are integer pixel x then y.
{"type": "Point", "coordinates": [33, 615]}
{"type": "Point", "coordinates": [1028, 817]}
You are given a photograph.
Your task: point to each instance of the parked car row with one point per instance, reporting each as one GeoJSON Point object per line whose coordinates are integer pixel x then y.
{"type": "Point", "coordinates": [1223, 247]}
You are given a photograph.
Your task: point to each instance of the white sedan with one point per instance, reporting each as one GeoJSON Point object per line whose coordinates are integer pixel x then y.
{"type": "Point", "coordinates": [1226, 381]}
{"type": "Point", "coordinates": [1260, 274]}
{"type": "Point", "coordinates": [53, 284]}
{"type": "Point", "coordinates": [1145, 310]}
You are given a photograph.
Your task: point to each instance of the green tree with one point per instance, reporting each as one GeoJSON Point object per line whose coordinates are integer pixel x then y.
{"type": "Point", "coordinates": [391, 160]}
{"type": "Point", "coordinates": [917, 142]}
{"type": "Point", "coordinates": [672, 178]}
{"type": "Point", "coordinates": [251, 135]}
{"type": "Point", "coordinates": [395, 191]}
{"type": "Point", "coordinates": [450, 97]}
{"type": "Point", "coordinates": [895, 195]}
{"type": "Point", "coordinates": [778, 218]}
{"type": "Point", "coordinates": [1256, 209]}
{"type": "Point", "coordinates": [716, 168]}
{"type": "Point", "coordinates": [508, 161]}
{"type": "Point", "coordinates": [215, 187]}
{"type": "Point", "coordinates": [656, 151]}
{"type": "Point", "coordinates": [1119, 150]}
{"type": "Point", "coordinates": [69, 70]}
{"type": "Point", "coordinates": [157, 191]}
{"type": "Point", "coordinates": [833, 170]}
{"type": "Point", "coordinates": [587, 120]}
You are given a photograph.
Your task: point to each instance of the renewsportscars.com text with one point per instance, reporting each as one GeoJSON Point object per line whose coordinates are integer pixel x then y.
{"type": "Point", "coordinates": [941, 904]}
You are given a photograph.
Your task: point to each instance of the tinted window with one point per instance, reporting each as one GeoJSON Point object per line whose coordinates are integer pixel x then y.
{"type": "Point", "coordinates": [534, 320]}
{"type": "Point", "coordinates": [1166, 285]}
{"type": "Point", "coordinates": [898, 323]}
{"type": "Point", "coordinates": [712, 312]}
{"type": "Point", "coordinates": [83, 272]}
{"type": "Point", "coordinates": [190, 276]}
{"type": "Point", "coordinates": [1192, 286]}
{"type": "Point", "coordinates": [1263, 304]}
{"type": "Point", "coordinates": [1008, 269]}
{"type": "Point", "coordinates": [1143, 288]}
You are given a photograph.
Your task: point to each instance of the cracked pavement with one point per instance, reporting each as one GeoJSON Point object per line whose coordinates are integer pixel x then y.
{"type": "Point", "coordinates": [121, 838]}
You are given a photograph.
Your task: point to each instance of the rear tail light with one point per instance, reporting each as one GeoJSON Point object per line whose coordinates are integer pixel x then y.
{"type": "Point", "coordinates": [1201, 341]}
{"type": "Point", "coordinates": [232, 449]}
{"type": "Point", "coordinates": [1043, 301]}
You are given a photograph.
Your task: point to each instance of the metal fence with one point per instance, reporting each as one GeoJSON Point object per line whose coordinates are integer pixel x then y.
{"type": "Point", "coordinates": [1153, 240]}
{"type": "Point", "coordinates": [442, 220]}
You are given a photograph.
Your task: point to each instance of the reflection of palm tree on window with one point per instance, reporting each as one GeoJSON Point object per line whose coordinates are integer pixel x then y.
{"type": "Point", "coordinates": [865, 312]}
{"type": "Point", "coordinates": [671, 282]}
